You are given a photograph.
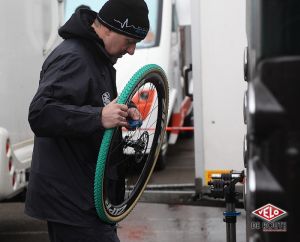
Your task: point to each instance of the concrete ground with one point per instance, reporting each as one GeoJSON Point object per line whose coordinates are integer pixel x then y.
{"type": "Point", "coordinates": [164, 223]}
{"type": "Point", "coordinates": [147, 222]}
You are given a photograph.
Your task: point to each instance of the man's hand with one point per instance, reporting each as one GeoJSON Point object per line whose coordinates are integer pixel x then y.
{"type": "Point", "coordinates": [134, 119]}
{"type": "Point", "coordinates": [133, 113]}
{"type": "Point", "coordinates": [114, 114]}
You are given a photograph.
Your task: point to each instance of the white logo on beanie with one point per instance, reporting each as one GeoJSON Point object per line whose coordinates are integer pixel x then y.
{"type": "Point", "coordinates": [125, 24]}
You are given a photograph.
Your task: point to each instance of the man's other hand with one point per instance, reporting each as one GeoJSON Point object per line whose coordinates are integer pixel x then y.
{"type": "Point", "coordinates": [114, 115]}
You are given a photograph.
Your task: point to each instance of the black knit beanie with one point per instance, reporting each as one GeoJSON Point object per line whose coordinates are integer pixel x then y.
{"type": "Point", "coordinates": [127, 17]}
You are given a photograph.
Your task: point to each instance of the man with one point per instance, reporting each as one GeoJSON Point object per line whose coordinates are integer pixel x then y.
{"type": "Point", "coordinates": [74, 104]}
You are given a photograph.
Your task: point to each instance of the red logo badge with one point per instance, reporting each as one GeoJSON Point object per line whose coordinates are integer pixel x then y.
{"type": "Point", "coordinates": [269, 212]}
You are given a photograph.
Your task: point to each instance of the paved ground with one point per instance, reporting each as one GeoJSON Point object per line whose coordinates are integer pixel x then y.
{"type": "Point", "coordinates": [16, 227]}
{"type": "Point", "coordinates": [180, 164]}
{"type": "Point", "coordinates": [147, 222]}
{"type": "Point", "coordinates": [163, 223]}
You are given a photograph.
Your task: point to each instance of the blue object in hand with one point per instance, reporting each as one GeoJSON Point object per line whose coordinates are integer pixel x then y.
{"type": "Point", "coordinates": [134, 124]}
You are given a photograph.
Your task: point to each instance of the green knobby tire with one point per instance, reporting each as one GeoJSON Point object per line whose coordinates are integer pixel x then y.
{"type": "Point", "coordinates": [107, 185]}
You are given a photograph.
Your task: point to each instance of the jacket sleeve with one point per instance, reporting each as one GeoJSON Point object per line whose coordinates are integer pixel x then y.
{"type": "Point", "coordinates": [59, 107]}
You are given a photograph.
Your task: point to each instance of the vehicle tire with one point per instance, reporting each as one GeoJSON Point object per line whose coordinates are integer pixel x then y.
{"type": "Point", "coordinates": [162, 157]}
{"type": "Point", "coordinates": [188, 122]}
{"type": "Point", "coordinates": [116, 189]}
{"type": "Point", "coordinates": [161, 162]}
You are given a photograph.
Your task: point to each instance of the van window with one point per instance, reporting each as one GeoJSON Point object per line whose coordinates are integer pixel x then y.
{"type": "Point", "coordinates": [155, 15]}
{"type": "Point", "coordinates": [72, 5]}
{"type": "Point", "coordinates": [155, 12]}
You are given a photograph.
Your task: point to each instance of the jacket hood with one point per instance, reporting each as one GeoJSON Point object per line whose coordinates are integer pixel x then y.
{"type": "Point", "coordinates": [79, 26]}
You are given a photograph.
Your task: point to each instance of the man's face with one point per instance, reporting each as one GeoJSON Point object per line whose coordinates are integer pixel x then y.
{"type": "Point", "coordinates": [118, 45]}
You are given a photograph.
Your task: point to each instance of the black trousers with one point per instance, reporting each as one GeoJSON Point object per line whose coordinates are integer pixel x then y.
{"type": "Point", "coordinates": [68, 233]}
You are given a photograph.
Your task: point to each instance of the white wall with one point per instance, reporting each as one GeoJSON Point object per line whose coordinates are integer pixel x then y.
{"type": "Point", "coordinates": [219, 38]}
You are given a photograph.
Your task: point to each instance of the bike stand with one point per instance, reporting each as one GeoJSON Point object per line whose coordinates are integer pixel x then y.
{"type": "Point", "coordinates": [223, 186]}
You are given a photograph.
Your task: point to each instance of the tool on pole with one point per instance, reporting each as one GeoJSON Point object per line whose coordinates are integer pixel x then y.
{"type": "Point", "coordinates": [223, 186]}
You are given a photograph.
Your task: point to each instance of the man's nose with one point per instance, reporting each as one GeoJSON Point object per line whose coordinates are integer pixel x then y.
{"type": "Point", "coordinates": [131, 49]}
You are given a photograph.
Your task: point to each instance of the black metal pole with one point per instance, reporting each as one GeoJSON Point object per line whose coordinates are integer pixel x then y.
{"type": "Point", "coordinates": [230, 219]}
{"type": "Point", "coordinates": [223, 186]}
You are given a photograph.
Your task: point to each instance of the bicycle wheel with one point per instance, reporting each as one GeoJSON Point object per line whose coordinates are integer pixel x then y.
{"type": "Point", "coordinates": [127, 157]}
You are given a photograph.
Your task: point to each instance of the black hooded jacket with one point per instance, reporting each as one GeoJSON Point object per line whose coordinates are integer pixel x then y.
{"type": "Point", "coordinates": [76, 81]}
